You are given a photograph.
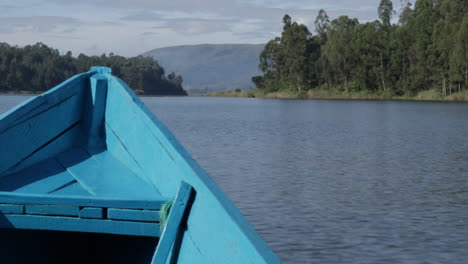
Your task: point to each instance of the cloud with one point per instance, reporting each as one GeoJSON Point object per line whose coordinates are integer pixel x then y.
{"type": "Point", "coordinates": [142, 16]}
{"type": "Point", "coordinates": [42, 24]}
{"type": "Point", "coordinates": [2, 6]}
{"type": "Point", "coordinates": [155, 5]}
{"type": "Point", "coordinates": [130, 27]}
{"type": "Point", "coordinates": [195, 26]}
{"type": "Point", "coordinates": [146, 15]}
{"type": "Point", "coordinates": [182, 22]}
{"type": "Point", "coordinates": [148, 33]}
{"type": "Point", "coordinates": [94, 50]}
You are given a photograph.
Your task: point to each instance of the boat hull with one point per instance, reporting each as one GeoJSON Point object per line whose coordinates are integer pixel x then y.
{"type": "Point", "coordinates": [106, 145]}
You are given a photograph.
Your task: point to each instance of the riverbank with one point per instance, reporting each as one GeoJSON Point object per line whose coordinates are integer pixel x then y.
{"type": "Point", "coordinates": [428, 95]}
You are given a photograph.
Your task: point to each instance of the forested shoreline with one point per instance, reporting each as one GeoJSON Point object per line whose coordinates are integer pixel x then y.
{"type": "Point", "coordinates": [425, 52]}
{"type": "Point", "coordinates": [37, 68]}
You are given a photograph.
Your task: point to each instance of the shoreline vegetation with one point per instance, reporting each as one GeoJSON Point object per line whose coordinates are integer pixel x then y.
{"type": "Point", "coordinates": [34, 69]}
{"type": "Point", "coordinates": [427, 95]}
{"type": "Point", "coordinates": [424, 56]}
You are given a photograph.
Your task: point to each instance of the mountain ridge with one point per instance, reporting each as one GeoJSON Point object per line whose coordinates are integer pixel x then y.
{"type": "Point", "coordinates": [211, 67]}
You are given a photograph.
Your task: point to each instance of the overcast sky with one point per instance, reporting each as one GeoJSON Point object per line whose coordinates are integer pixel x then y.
{"type": "Point", "coordinates": [131, 27]}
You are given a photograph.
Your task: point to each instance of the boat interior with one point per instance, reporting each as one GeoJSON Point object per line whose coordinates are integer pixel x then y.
{"type": "Point", "coordinates": [72, 170]}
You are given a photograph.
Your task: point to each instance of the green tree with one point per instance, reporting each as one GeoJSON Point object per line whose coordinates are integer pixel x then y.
{"type": "Point", "coordinates": [426, 49]}
{"type": "Point", "coordinates": [406, 14]}
{"type": "Point", "coordinates": [271, 64]}
{"type": "Point", "coordinates": [459, 57]}
{"type": "Point", "coordinates": [294, 42]}
{"type": "Point", "coordinates": [38, 67]}
{"type": "Point", "coordinates": [340, 54]}
{"type": "Point", "coordinates": [322, 23]}
{"type": "Point", "coordinates": [385, 12]}
{"type": "Point", "coordinates": [421, 28]}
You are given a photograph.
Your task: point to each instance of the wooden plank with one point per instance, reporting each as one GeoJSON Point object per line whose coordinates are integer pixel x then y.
{"type": "Point", "coordinates": [101, 70]}
{"type": "Point", "coordinates": [43, 177]}
{"type": "Point", "coordinates": [102, 175]}
{"type": "Point", "coordinates": [173, 224]}
{"type": "Point", "coordinates": [8, 118]}
{"type": "Point", "coordinates": [133, 215]}
{"type": "Point", "coordinates": [72, 138]}
{"type": "Point", "coordinates": [18, 198]}
{"type": "Point", "coordinates": [92, 212]}
{"type": "Point", "coordinates": [118, 150]}
{"type": "Point", "coordinates": [73, 224]}
{"type": "Point", "coordinates": [11, 208]}
{"type": "Point", "coordinates": [23, 140]}
{"type": "Point", "coordinates": [70, 86]}
{"type": "Point", "coordinates": [40, 103]}
{"type": "Point", "coordinates": [73, 189]}
{"type": "Point", "coordinates": [95, 113]}
{"type": "Point", "coordinates": [59, 210]}
{"type": "Point", "coordinates": [151, 156]}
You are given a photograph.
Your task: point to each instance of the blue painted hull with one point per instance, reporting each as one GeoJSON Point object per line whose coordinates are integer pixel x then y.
{"type": "Point", "coordinates": [88, 157]}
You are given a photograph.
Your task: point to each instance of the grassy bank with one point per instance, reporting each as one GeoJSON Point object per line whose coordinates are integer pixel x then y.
{"type": "Point", "coordinates": [429, 95]}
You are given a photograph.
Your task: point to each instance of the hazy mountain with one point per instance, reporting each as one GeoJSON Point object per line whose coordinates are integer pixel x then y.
{"type": "Point", "coordinates": [211, 67]}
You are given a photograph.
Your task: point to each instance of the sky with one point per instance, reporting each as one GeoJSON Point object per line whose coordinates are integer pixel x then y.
{"type": "Point", "coordinates": [131, 27]}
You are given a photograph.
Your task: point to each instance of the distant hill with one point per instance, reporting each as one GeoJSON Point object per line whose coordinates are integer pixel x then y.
{"type": "Point", "coordinates": [211, 67]}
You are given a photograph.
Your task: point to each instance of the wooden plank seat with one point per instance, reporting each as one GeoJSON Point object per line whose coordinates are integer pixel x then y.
{"type": "Point", "coordinates": [80, 214]}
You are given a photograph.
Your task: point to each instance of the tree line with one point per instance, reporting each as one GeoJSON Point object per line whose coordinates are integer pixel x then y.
{"type": "Point", "coordinates": [426, 49]}
{"type": "Point", "coordinates": [36, 68]}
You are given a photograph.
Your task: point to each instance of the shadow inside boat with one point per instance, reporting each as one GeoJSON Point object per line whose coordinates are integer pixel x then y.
{"type": "Point", "coordinates": [4, 222]}
{"type": "Point", "coordinates": [33, 179]}
{"type": "Point", "coordinates": [53, 247]}
{"type": "Point", "coordinates": [35, 173]}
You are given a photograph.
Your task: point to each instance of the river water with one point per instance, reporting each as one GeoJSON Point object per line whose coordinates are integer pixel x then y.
{"type": "Point", "coordinates": [326, 181]}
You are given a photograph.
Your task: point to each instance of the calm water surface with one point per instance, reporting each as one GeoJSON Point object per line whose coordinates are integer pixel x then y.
{"type": "Point", "coordinates": [335, 181]}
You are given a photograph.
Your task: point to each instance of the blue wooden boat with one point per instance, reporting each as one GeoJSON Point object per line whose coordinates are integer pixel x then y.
{"type": "Point", "coordinates": [88, 174]}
